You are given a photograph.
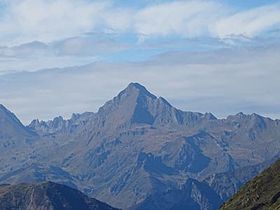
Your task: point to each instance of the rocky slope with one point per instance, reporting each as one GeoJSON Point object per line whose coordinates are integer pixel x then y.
{"type": "Point", "coordinates": [261, 193]}
{"type": "Point", "coordinates": [140, 152]}
{"type": "Point", "coordinates": [46, 196]}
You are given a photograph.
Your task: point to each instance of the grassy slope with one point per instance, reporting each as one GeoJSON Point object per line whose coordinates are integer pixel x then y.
{"type": "Point", "coordinates": [261, 193]}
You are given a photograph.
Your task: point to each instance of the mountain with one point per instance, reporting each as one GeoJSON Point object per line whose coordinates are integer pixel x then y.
{"type": "Point", "coordinates": [46, 196]}
{"type": "Point", "coordinates": [139, 152]}
{"type": "Point", "coordinates": [261, 193]}
{"type": "Point", "coordinates": [16, 140]}
{"type": "Point", "coordinates": [11, 127]}
{"type": "Point", "coordinates": [135, 105]}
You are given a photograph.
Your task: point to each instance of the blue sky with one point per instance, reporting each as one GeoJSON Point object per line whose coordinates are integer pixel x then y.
{"type": "Point", "coordinates": [219, 40]}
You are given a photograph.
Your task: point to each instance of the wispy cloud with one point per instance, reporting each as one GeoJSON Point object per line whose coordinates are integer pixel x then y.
{"type": "Point", "coordinates": [93, 47]}
{"type": "Point", "coordinates": [189, 19]}
{"type": "Point", "coordinates": [68, 52]}
{"type": "Point", "coordinates": [249, 23]}
{"type": "Point", "coordinates": [28, 20]}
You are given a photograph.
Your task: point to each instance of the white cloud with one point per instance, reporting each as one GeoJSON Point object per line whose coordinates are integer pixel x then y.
{"type": "Point", "coordinates": [249, 23]}
{"type": "Point", "coordinates": [190, 18]}
{"type": "Point", "coordinates": [48, 20]}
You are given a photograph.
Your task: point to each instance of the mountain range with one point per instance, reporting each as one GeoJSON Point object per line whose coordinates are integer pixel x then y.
{"type": "Point", "coordinates": [139, 152]}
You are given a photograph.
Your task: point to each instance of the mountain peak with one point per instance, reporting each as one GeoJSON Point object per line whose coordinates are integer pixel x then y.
{"type": "Point", "coordinates": [136, 88]}
{"type": "Point", "coordinates": [134, 105]}
{"type": "Point", "coordinates": [10, 125]}
{"type": "Point", "coordinates": [136, 85]}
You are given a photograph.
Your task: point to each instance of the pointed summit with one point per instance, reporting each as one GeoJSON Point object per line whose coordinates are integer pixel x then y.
{"type": "Point", "coordinates": [136, 88]}
{"type": "Point", "coordinates": [136, 105]}
{"type": "Point", "coordinates": [131, 105]}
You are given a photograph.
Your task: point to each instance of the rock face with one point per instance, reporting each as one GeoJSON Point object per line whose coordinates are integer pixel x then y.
{"type": "Point", "coordinates": [140, 152]}
{"type": "Point", "coordinates": [261, 193]}
{"type": "Point", "coordinates": [46, 196]}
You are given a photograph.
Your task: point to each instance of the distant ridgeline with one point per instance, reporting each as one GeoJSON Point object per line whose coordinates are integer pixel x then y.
{"type": "Point", "coordinates": [140, 152]}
